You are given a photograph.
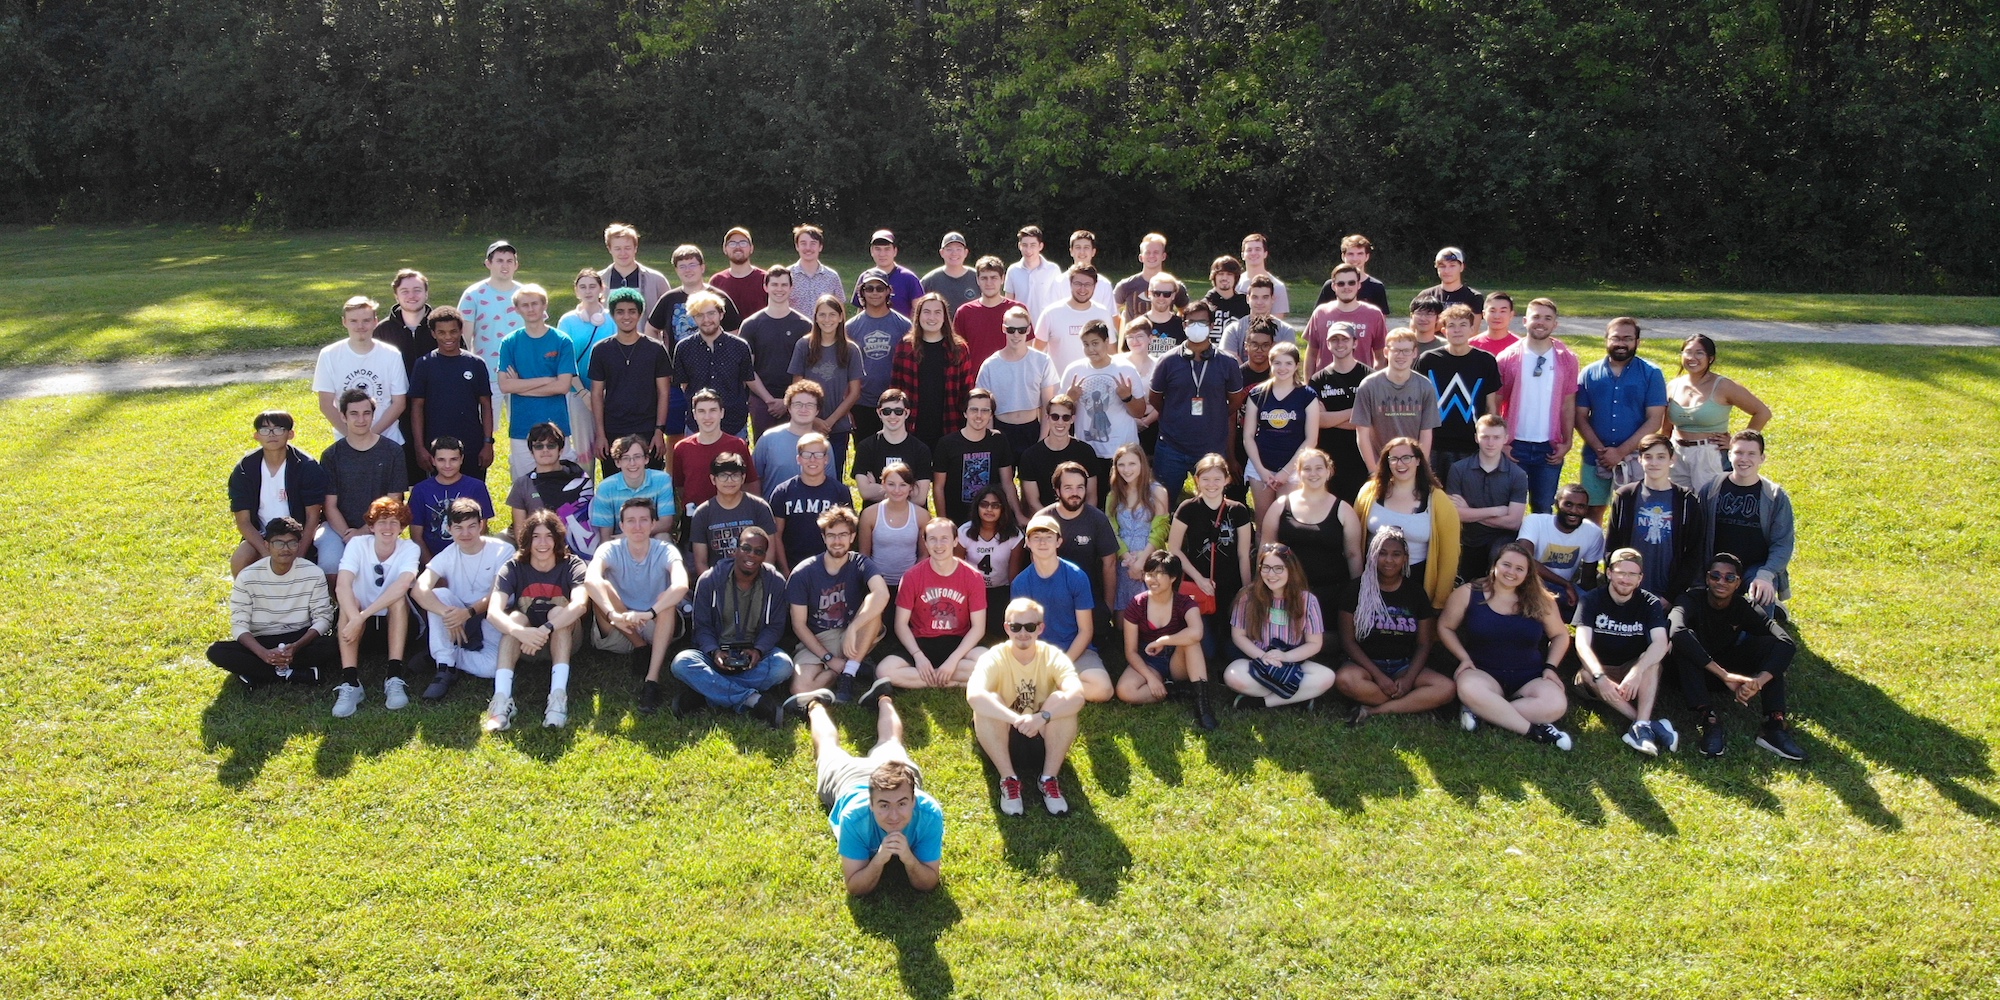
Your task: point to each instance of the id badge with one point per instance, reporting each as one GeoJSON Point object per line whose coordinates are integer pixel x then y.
{"type": "Point", "coordinates": [1196, 408]}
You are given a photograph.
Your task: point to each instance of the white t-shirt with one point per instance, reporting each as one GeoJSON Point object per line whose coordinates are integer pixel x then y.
{"type": "Point", "coordinates": [1563, 553]}
{"type": "Point", "coordinates": [471, 576]}
{"type": "Point", "coordinates": [992, 557]}
{"type": "Point", "coordinates": [1016, 385]}
{"type": "Point", "coordinates": [1532, 400]}
{"type": "Point", "coordinates": [1038, 289]}
{"type": "Point", "coordinates": [359, 559]}
{"type": "Point", "coordinates": [379, 373]}
{"type": "Point", "coordinates": [1060, 328]}
{"type": "Point", "coordinates": [1101, 420]}
{"type": "Point", "coordinates": [1416, 528]}
{"type": "Point", "coordinates": [1105, 298]}
{"type": "Point", "coordinates": [271, 499]}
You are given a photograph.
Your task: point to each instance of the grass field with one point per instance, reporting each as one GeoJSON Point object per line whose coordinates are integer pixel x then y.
{"type": "Point", "coordinates": [97, 295]}
{"type": "Point", "coordinates": [163, 833]}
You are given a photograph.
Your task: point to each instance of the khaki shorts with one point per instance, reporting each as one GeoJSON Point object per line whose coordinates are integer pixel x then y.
{"type": "Point", "coordinates": [614, 641]}
{"type": "Point", "coordinates": [833, 639]}
{"type": "Point", "coordinates": [1587, 689]}
{"type": "Point", "coordinates": [839, 769]}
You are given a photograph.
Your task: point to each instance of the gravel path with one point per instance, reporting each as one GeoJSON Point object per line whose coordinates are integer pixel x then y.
{"type": "Point", "coordinates": [290, 363]}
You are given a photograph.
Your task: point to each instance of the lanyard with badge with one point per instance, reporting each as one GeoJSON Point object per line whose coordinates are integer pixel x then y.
{"type": "Point", "coordinates": [1200, 375]}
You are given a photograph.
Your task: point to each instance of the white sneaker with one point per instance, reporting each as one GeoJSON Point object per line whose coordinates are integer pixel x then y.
{"type": "Point", "coordinates": [395, 694]}
{"type": "Point", "coordinates": [558, 714]}
{"type": "Point", "coordinates": [499, 714]}
{"type": "Point", "coordinates": [347, 698]}
{"type": "Point", "coordinates": [1466, 720]}
{"type": "Point", "coordinates": [1010, 796]}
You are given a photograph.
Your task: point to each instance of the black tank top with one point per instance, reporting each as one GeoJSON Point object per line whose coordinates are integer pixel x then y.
{"type": "Point", "coordinates": [1321, 548]}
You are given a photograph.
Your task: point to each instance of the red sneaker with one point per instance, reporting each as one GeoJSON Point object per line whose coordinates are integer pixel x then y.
{"type": "Point", "coordinates": [1052, 797]}
{"type": "Point", "coordinates": [1010, 796]}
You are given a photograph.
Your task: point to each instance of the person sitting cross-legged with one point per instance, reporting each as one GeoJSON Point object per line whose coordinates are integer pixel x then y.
{"type": "Point", "coordinates": [1278, 627]}
{"type": "Point", "coordinates": [278, 611]}
{"type": "Point", "coordinates": [739, 615]}
{"type": "Point", "coordinates": [940, 616]}
{"type": "Point", "coordinates": [537, 607]}
{"type": "Point", "coordinates": [876, 804]}
{"type": "Point", "coordinates": [1388, 627]}
{"type": "Point", "coordinates": [1025, 696]}
{"type": "Point", "coordinates": [455, 590]}
{"type": "Point", "coordinates": [636, 584]}
{"type": "Point", "coordinates": [373, 591]}
{"type": "Point", "coordinates": [837, 600]}
{"type": "Point", "coordinates": [1621, 639]}
{"type": "Point", "coordinates": [1497, 628]}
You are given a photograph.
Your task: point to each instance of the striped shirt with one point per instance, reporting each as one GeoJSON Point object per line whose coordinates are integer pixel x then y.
{"type": "Point", "coordinates": [263, 603]}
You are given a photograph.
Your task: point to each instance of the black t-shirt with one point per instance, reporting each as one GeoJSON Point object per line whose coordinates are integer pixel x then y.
{"type": "Point", "coordinates": [1394, 632]}
{"type": "Point", "coordinates": [930, 392]}
{"type": "Point", "coordinates": [968, 467]}
{"type": "Point", "coordinates": [1739, 526]}
{"type": "Point", "coordinates": [1235, 307]}
{"type": "Point", "coordinates": [1619, 633]}
{"type": "Point", "coordinates": [1465, 294]}
{"type": "Point", "coordinates": [874, 453]}
{"type": "Point", "coordinates": [662, 317]}
{"type": "Point", "coordinates": [1336, 393]}
{"type": "Point", "coordinates": [628, 373]}
{"type": "Point", "coordinates": [535, 592]}
{"type": "Point", "coordinates": [771, 339]}
{"type": "Point", "coordinates": [1373, 292]}
{"type": "Point", "coordinates": [1038, 465]}
{"type": "Point", "coordinates": [1203, 540]}
{"type": "Point", "coordinates": [1464, 386]}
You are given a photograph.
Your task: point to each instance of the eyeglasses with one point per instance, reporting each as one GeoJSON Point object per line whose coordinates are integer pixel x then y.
{"type": "Point", "coordinates": [1272, 568]}
{"type": "Point", "coordinates": [1023, 626]}
{"type": "Point", "coordinates": [1715, 577]}
{"type": "Point", "coordinates": [887, 412]}
{"type": "Point", "coordinates": [737, 243]}
{"type": "Point", "coordinates": [1060, 417]}
{"type": "Point", "coordinates": [1169, 293]}
{"type": "Point", "coordinates": [268, 429]}
{"type": "Point", "coordinates": [283, 543]}
{"type": "Point", "coordinates": [812, 454]}
{"type": "Point", "coordinates": [728, 474]}
{"type": "Point", "coordinates": [1401, 459]}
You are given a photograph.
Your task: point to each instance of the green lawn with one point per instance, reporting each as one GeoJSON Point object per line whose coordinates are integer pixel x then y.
{"type": "Point", "coordinates": [102, 294]}
{"type": "Point", "coordinates": [165, 834]}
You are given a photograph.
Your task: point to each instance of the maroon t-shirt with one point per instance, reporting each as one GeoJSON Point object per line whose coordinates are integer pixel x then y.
{"type": "Point", "coordinates": [747, 293]}
{"type": "Point", "coordinates": [983, 328]}
{"type": "Point", "coordinates": [690, 467]}
{"type": "Point", "coordinates": [1135, 612]}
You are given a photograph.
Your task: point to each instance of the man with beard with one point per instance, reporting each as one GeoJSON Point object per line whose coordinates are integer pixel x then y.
{"type": "Point", "coordinates": [1369, 325]}
{"type": "Point", "coordinates": [741, 281]}
{"type": "Point", "coordinates": [1088, 540]}
{"type": "Point", "coordinates": [1567, 547]}
{"type": "Point", "coordinates": [1619, 400]}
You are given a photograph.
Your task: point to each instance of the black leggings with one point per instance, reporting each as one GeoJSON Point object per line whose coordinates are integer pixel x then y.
{"type": "Point", "coordinates": [1754, 655]}
{"type": "Point", "coordinates": [309, 665]}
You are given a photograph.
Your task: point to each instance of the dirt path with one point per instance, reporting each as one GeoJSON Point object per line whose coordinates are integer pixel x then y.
{"type": "Point", "coordinates": [290, 363]}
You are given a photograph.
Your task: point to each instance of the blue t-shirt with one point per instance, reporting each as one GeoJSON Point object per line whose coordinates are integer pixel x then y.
{"type": "Point", "coordinates": [451, 388]}
{"type": "Point", "coordinates": [1061, 597]}
{"type": "Point", "coordinates": [582, 337]}
{"type": "Point", "coordinates": [860, 836]}
{"type": "Point", "coordinates": [800, 506]}
{"type": "Point", "coordinates": [1618, 402]}
{"type": "Point", "coordinates": [1180, 380]}
{"type": "Point", "coordinates": [877, 339]}
{"type": "Point", "coordinates": [831, 600]}
{"type": "Point", "coordinates": [429, 499]}
{"type": "Point", "coordinates": [537, 357]}
{"type": "Point", "coordinates": [613, 492]}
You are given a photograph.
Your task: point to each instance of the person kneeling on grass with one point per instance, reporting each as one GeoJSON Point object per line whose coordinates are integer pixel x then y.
{"type": "Point", "coordinates": [278, 610]}
{"type": "Point", "coordinates": [837, 600]}
{"type": "Point", "coordinates": [1278, 626]}
{"type": "Point", "coordinates": [1621, 639]}
{"type": "Point", "coordinates": [373, 591]}
{"type": "Point", "coordinates": [1724, 641]}
{"type": "Point", "coordinates": [538, 607]}
{"type": "Point", "coordinates": [1496, 628]}
{"type": "Point", "coordinates": [1163, 632]}
{"type": "Point", "coordinates": [1387, 627]}
{"type": "Point", "coordinates": [739, 615]}
{"type": "Point", "coordinates": [1025, 696]}
{"type": "Point", "coordinates": [940, 616]}
{"type": "Point", "coordinates": [455, 590]}
{"type": "Point", "coordinates": [636, 583]}
{"type": "Point", "coordinates": [875, 804]}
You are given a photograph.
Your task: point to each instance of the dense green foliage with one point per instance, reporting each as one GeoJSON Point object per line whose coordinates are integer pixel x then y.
{"type": "Point", "coordinates": [1791, 143]}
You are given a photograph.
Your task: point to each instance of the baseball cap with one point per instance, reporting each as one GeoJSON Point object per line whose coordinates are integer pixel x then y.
{"type": "Point", "coordinates": [1044, 522]}
{"type": "Point", "coordinates": [498, 245]}
{"type": "Point", "coordinates": [882, 236]}
{"type": "Point", "coordinates": [953, 237]}
{"type": "Point", "coordinates": [872, 274]}
{"type": "Point", "coordinates": [1451, 253]}
{"type": "Point", "coordinates": [1341, 330]}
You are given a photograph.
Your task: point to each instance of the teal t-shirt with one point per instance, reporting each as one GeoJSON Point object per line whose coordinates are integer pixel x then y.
{"type": "Point", "coordinates": [537, 357]}
{"type": "Point", "coordinates": [583, 336]}
{"type": "Point", "coordinates": [614, 491]}
{"type": "Point", "coordinates": [860, 836]}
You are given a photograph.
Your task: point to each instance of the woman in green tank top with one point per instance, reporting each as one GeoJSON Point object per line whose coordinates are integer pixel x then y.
{"type": "Point", "coordinates": [1699, 403]}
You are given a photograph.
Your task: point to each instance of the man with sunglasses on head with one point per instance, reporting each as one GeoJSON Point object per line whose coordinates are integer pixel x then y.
{"type": "Point", "coordinates": [1723, 642]}
{"type": "Point", "coordinates": [1369, 325]}
{"type": "Point", "coordinates": [1538, 378]}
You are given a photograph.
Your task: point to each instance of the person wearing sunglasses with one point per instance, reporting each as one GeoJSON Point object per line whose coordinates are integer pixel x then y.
{"type": "Point", "coordinates": [1025, 696]}
{"type": "Point", "coordinates": [373, 588]}
{"type": "Point", "coordinates": [740, 613]}
{"type": "Point", "coordinates": [1039, 461]}
{"type": "Point", "coordinates": [557, 485]}
{"type": "Point", "coordinates": [1724, 643]}
{"type": "Point", "coordinates": [892, 445]}
{"type": "Point", "coordinates": [1369, 324]}
{"type": "Point", "coordinates": [1277, 627]}
{"type": "Point", "coordinates": [1021, 382]}
{"type": "Point", "coordinates": [1538, 377]}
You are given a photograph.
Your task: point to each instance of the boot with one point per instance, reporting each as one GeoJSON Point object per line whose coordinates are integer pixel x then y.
{"type": "Point", "coordinates": [1204, 716]}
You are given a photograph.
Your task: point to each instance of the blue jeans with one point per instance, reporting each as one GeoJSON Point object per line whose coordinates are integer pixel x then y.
{"type": "Point", "coordinates": [1533, 458]}
{"type": "Point", "coordinates": [1171, 467]}
{"type": "Point", "coordinates": [722, 690]}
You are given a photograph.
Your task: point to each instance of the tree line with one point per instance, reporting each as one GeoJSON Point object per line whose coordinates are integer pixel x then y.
{"type": "Point", "coordinates": [1787, 143]}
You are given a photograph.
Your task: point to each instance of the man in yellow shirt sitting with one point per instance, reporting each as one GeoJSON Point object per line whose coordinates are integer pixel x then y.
{"type": "Point", "coordinates": [1024, 696]}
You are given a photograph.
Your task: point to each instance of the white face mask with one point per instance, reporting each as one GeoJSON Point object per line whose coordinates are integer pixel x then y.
{"type": "Point", "coordinates": [1197, 332]}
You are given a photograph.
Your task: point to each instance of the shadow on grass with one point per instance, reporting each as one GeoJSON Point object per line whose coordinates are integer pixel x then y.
{"type": "Point", "coordinates": [1078, 846]}
{"type": "Point", "coordinates": [912, 921]}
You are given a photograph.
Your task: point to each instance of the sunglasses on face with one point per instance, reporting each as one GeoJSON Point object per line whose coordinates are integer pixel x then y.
{"type": "Point", "coordinates": [1023, 626]}
{"type": "Point", "coordinates": [1345, 284]}
{"type": "Point", "coordinates": [1017, 329]}
{"type": "Point", "coordinates": [896, 412]}
{"type": "Point", "coordinates": [1161, 295]}
{"type": "Point", "coordinates": [1715, 577]}
{"type": "Point", "coordinates": [1059, 417]}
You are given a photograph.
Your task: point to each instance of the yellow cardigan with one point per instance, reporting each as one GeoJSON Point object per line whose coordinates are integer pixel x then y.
{"type": "Point", "coordinates": [1441, 569]}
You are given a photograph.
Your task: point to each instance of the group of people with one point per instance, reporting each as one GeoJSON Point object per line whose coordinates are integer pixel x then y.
{"type": "Point", "coordinates": [1376, 513]}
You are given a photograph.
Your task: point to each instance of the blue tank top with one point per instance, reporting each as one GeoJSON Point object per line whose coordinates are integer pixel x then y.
{"type": "Point", "coordinates": [1281, 423]}
{"type": "Point", "coordinates": [1507, 646]}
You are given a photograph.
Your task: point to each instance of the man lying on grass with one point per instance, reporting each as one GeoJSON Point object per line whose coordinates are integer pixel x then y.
{"type": "Point", "coordinates": [878, 812]}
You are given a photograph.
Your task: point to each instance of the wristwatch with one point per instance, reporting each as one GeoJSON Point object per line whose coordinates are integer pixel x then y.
{"type": "Point", "coordinates": [1046, 717]}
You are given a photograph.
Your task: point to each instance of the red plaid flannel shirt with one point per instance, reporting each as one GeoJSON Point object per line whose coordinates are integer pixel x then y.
{"type": "Point", "coordinates": [958, 376]}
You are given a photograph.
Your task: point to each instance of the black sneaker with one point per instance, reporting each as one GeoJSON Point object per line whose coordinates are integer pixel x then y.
{"type": "Point", "coordinates": [876, 692]}
{"type": "Point", "coordinates": [649, 698]}
{"type": "Point", "coordinates": [441, 684]}
{"type": "Point", "coordinates": [1712, 742]}
{"type": "Point", "coordinates": [799, 704]}
{"type": "Point", "coordinates": [1777, 738]}
{"type": "Point", "coordinates": [771, 709]}
{"type": "Point", "coordinates": [688, 701]}
{"type": "Point", "coordinates": [1542, 732]}
{"type": "Point", "coordinates": [1248, 701]}
{"type": "Point", "coordinates": [843, 690]}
